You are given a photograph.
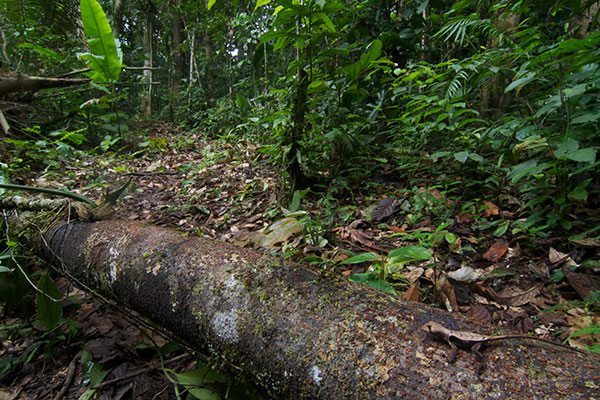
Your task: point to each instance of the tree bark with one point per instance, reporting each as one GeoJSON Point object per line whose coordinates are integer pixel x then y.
{"type": "Point", "coordinates": [24, 83]}
{"type": "Point", "coordinates": [301, 334]}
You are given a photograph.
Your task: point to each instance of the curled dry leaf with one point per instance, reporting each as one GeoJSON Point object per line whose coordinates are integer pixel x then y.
{"type": "Point", "coordinates": [556, 257]}
{"type": "Point", "coordinates": [443, 288]}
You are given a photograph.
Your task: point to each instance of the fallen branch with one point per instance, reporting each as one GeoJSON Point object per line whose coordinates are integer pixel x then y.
{"type": "Point", "coordinates": [297, 333]}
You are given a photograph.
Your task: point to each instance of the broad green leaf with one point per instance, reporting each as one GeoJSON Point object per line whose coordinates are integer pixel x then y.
{"type": "Point", "coordinates": [586, 117]}
{"type": "Point", "coordinates": [106, 63]}
{"type": "Point", "coordinates": [408, 253]}
{"type": "Point", "coordinates": [373, 281]}
{"type": "Point", "coordinates": [579, 193]}
{"type": "Point", "coordinates": [373, 53]}
{"type": "Point", "coordinates": [476, 157]}
{"type": "Point", "coordinates": [565, 147]}
{"type": "Point", "coordinates": [461, 156]}
{"type": "Point", "coordinates": [296, 201]}
{"type": "Point", "coordinates": [501, 229]}
{"type": "Point", "coordinates": [212, 3]}
{"type": "Point", "coordinates": [49, 311]}
{"type": "Point", "coordinates": [361, 258]}
{"type": "Point", "coordinates": [587, 155]}
{"type": "Point", "coordinates": [326, 21]}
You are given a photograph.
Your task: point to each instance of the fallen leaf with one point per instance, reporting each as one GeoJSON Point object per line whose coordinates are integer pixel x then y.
{"type": "Point", "coordinates": [384, 209]}
{"type": "Point", "coordinates": [587, 242]}
{"type": "Point", "coordinates": [413, 274]}
{"type": "Point", "coordinates": [496, 251]}
{"type": "Point", "coordinates": [517, 298]}
{"type": "Point", "coordinates": [491, 209]}
{"type": "Point", "coordinates": [584, 284]}
{"type": "Point", "coordinates": [465, 274]}
{"type": "Point", "coordinates": [412, 293]}
{"type": "Point", "coordinates": [464, 218]}
{"type": "Point", "coordinates": [396, 229]}
{"type": "Point", "coordinates": [480, 313]}
{"type": "Point", "coordinates": [444, 289]}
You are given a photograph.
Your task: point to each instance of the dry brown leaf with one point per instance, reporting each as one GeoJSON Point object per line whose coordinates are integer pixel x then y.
{"type": "Point", "coordinates": [496, 251]}
{"type": "Point", "coordinates": [384, 209]}
{"type": "Point", "coordinates": [396, 229]}
{"type": "Point", "coordinates": [584, 284]}
{"type": "Point", "coordinates": [516, 298]}
{"type": "Point", "coordinates": [413, 274]}
{"type": "Point", "coordinates": [412, 293]}
{"type": "Point", "coordinates": [444, 289]}
{"type": "Point", "coordinates": [480, 313]}
{"type": "Point", "coordinates": [464, 218]}
{"type": "Point", "coordinates": [490, 210]}
{"type": "Point", "coordinates": [578, 319]}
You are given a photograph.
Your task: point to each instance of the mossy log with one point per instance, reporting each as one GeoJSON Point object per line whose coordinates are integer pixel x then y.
{"type": "Point", "coordinates": [299, 334]}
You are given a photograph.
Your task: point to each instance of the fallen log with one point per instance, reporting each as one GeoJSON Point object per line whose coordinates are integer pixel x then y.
{"type": "Point", "coordinates": [300, 334]}
{"type": "Point", "coordinates": [24, 83]}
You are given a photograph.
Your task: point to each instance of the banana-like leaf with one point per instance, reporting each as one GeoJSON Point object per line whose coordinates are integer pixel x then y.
{"type": "Point", "coordinates": [104, 58]}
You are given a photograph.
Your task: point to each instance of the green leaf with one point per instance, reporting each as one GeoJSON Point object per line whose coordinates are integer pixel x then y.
{"type": "Point", "coordinates": [373, 281]}
{"type": "Point", "coordinates": [361, 258]}
{"type": "Point", "coordinates": [461, 156]}
{"type": "Point", "coordinates": [260, 3]}
{"type": "Point", "coordinates": [49, 312]}
{"type": "Point", "coordinates": [587, 155]}
{"type": "Point", "coordinates": [104, 59]}
{"type": "Point", "coordinates": [296, 201]}
{"type": "Point", "coordinates": [373, 53]}
{"type": "Point", "coordinates": [519, 83]}
{"type": "Point", "coordinates": [201, 376]}
{"type": "Point", "coordinates": [579, 193]}
{"type": "Point", "coordinates": [408, 253]}
{"type": "Point", "coordinates": [501, 229]}
{"type": "Point", "coordinates": [212, 3]}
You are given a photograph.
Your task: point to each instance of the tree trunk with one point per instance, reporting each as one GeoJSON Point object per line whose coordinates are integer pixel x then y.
{"type": "Point", "coordinates": [297, 333]}
{"type": "Point", "coordinates": [146, 107]}
{"type": "Point", "coordinates": [24, 83]}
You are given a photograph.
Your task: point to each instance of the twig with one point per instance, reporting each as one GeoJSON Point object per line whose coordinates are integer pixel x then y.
{"type": "Point", "coordinates": [69, 379]}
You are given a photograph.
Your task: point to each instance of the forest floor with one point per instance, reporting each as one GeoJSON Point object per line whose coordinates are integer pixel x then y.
{"type": "Point", "coordinates": [230, 192]}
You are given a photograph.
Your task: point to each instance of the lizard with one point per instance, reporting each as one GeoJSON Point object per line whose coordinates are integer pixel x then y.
{"type": "Point", "coordinates": [474, 341]}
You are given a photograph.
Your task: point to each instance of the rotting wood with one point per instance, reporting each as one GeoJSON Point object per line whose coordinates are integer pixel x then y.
{"type": "Point", "coordinates": [299, 334]}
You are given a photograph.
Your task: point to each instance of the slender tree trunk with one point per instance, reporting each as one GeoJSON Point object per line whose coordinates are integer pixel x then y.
{"type": "Point", "coordinates": [146, 108]}
{"type": "Point", "coordinates": [117, 17]}
{"type": "Point", "coordinates": [299, 334]}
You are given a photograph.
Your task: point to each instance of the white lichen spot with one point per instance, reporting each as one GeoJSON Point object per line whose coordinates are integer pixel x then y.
{"type": "Point", "coordinates": [224, 325]}
{"type": "Point", "coordinates": [230, 282]}
{"type": "Point", "coordinates": [156, 268]}
{"type": "Point", "coordinates": [174, 306]}
{"type": "Point", "coordinates": [315, 374]}
{"type": "Point", "coordinates": [112, 271]}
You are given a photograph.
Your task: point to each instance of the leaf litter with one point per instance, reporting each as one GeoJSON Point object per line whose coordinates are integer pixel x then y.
{"type": "Point", "coordinates": [230, 192]}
